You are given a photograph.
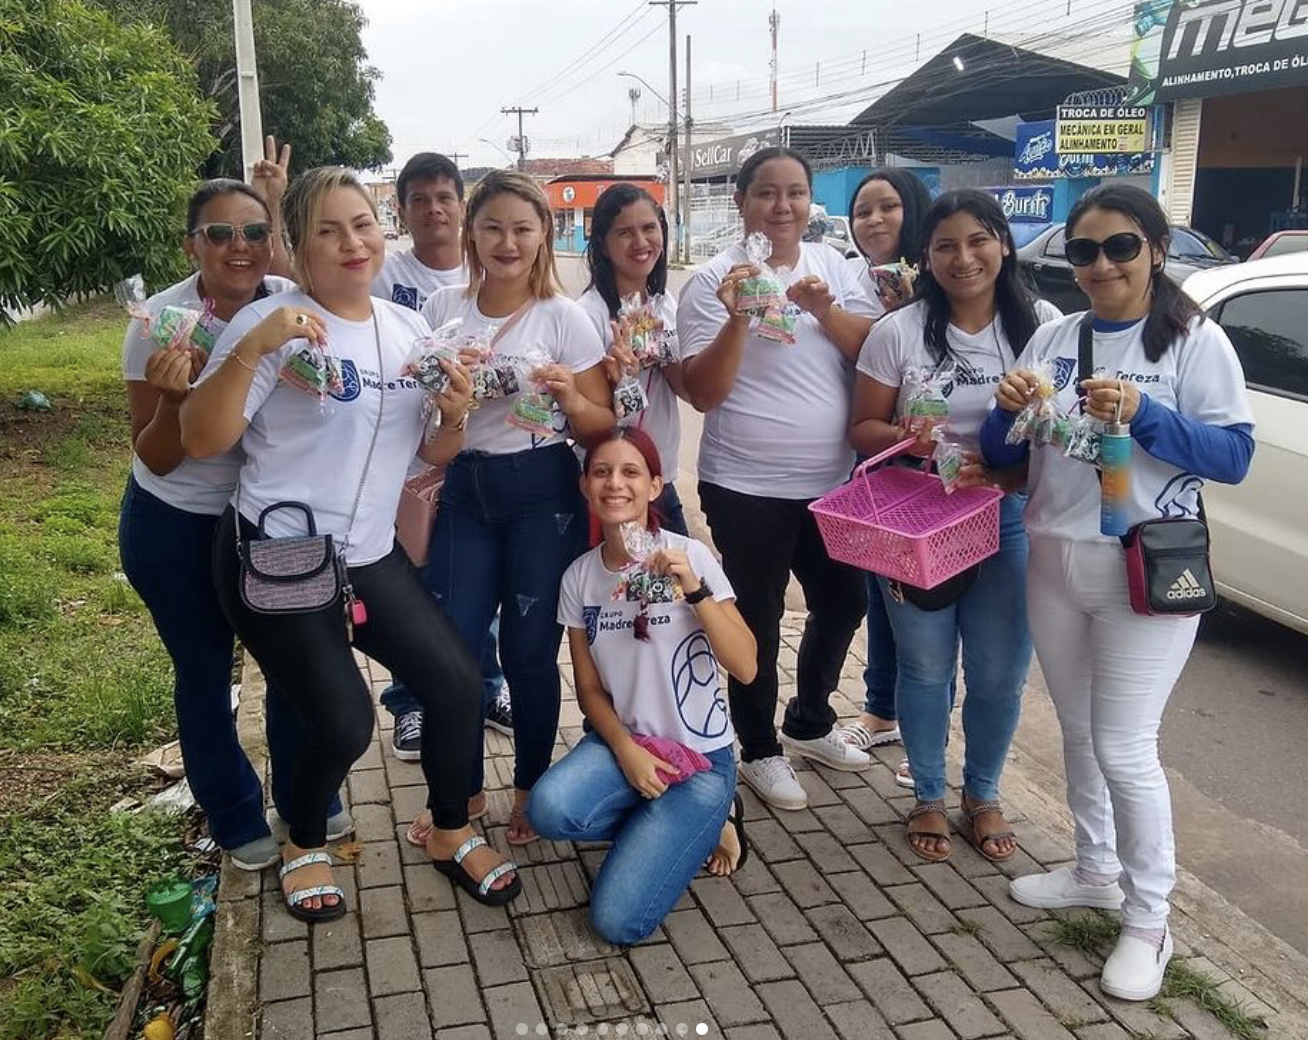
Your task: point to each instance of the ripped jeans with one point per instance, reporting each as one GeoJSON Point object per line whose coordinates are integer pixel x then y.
{"type": "Point", "coordinates": [507, 528]}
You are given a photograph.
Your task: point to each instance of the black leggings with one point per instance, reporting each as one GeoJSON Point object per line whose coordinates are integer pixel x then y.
{"type": "Point", "coordinates": [309, 658]}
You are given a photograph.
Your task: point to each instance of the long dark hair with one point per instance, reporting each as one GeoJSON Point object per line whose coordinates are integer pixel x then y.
{"type": "Point", "coordinates": [602, 276]}
{"type": "Point", "coordinates": [1170, 310]}
{"type": "Point", "coordinates": [1012, 300]}
{"type": "Point", "coordinates": [915, 199]}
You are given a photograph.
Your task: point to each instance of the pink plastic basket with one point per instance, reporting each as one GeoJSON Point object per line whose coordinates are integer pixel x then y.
{"type": "Point", "coordinates": [901, 523]}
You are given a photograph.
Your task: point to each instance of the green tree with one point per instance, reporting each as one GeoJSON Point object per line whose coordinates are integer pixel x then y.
{"type": "Point", "coordinates": [315, 85]}
{"type": "Point", "coordinates": [102, 130]}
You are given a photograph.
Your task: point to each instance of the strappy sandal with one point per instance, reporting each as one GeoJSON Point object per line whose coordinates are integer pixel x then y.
{"type": "Point", "coordinates": [518, 817]}
{"type": "Point", "coordinates": [480, 891]}
{"type": "Point", "coordinates": [294, 899]}
{"type": "Point", "coordinates": [737, 820]}
{"type": "Point", "coordinates": [859, 736]}
{"type": "Point", "coordinates": [979, 841]}
{"type": "Point", "coordinates": [934, 808]}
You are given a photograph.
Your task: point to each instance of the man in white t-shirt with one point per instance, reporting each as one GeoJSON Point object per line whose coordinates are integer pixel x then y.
{"type": "Point", "coordinates": [429, 193]}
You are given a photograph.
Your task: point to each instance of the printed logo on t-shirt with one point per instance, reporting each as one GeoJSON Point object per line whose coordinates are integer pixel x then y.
{"type": "Point", "coordinates": [590, 615]}
{"type": "Point", "coordinates": [1168, 503]}
{"type": "Point", "coordinates": [966, 374]}
{"type": "Point", "coordinates": [406, 296]}
{"type": "Point", "coordinates": [1138, 377]}
{"type": "Point", "coordinates": [350, 384]}
{"type": "Point", "coordinates": [1063, 369]}
{"type": "Point", "coordinates": [695, 683]}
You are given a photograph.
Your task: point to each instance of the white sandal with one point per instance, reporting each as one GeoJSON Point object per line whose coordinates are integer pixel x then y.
{"type": "Point", "coordinates": [857, 735]}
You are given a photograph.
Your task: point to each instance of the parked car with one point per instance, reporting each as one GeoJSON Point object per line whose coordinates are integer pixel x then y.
{"type": "Point", "coordinates": [1043, 262]}
{"type": "Point", "coordinates": [834, 231]}
{"type": "Point", "coordinates": [1260, 527]}
{"type": "Point", "coordinates": [1279, 243]}
{"type": "Point", "coordinates": [391, 232]}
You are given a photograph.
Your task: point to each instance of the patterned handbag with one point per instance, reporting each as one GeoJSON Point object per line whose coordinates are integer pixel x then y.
{"type": "Point", "coordinates": [291, 575]}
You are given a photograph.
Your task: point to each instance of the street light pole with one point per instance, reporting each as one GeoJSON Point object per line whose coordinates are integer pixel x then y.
{"type": "Point", "coordinates": [674, 200]}
{"type": "Point", "coordinates": [685, 248]}
{"type": "Point", "coordinates": [247, 87]}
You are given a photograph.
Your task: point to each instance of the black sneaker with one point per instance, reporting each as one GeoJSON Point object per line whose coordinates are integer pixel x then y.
{"type": "Point", "coordinates": [500, 715]}
{"type": "Point", "coordinates": [406, 740]}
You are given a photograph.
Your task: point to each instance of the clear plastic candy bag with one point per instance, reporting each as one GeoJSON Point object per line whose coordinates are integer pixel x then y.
{"type": "Point", "coordinates": [1084, 440]}
{"type": "Point", "coordinates": [950, 458]}
{"type": "Point", "coordinates": [629, 398]}
{"type": "Point", "coordinates": [764, 291]}
{"type": "Point", "coordinates": [894, 281]}
{"type": "Point", "coordinates": [313, 369]}
{"type": "Point", "coordinates": [650, 342]}
{"type": "Point", "coordinates": [535, 407]}
{"type": "Point", "coordinates": [425, 356]}
{"type": "Point", "coordinates": [926, 399]}
{"type": "Point", "coordinates": [171, 326]}
{"type": "Point", "coordinates": [1041, 421]}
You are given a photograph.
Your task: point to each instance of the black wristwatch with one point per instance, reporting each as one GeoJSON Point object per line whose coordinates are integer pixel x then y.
{"type": "Point", "coordinates": [700, 594]}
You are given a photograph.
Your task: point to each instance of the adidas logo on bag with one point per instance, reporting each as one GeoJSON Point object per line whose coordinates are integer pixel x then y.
{"type": "Point", "coordinates": [1186, 587]}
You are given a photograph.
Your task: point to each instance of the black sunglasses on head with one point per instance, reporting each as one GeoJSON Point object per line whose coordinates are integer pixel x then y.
{"type": "Point", "coordinates": [222, 234]}
{"type": "Point", "coordinates": [1121, 248]}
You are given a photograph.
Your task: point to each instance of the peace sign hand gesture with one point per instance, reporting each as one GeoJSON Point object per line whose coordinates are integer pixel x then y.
{"type": "Point", "coordinates": [271, 173]}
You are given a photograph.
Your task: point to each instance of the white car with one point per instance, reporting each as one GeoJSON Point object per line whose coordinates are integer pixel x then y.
{"type": "Point", "coordinates": [1260, 527]}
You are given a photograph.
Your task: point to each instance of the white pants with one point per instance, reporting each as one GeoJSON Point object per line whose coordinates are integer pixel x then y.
{"type": "Point", "coordinates": [1110, 672]}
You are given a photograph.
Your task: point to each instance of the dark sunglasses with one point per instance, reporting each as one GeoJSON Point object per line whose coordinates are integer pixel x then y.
{"type": "Point", "coordinates": [1121, 248]}
{"type": "Point", "coordinates": [222, 234]}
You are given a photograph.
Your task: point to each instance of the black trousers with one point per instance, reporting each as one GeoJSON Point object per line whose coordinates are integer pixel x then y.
{"type": "Point", "coordinates": [762, 540]}
{"type": "Point", "coordinates": [310, 659]}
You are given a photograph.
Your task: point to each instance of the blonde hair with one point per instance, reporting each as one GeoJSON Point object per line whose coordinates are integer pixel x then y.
{"type": "Point", "coordinates": [302, 208]}
{"type": "Point", "coordinates": [543, 279]}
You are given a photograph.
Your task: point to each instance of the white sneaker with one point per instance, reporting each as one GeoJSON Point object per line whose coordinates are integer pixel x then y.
{"type": "Point", "coordinates": [1059, 890]}
{"type": "Point", "coordinates": [773, 780]}
{"type": "Point", "coordinates": [1134, 970]}
{"type": "Point", "coordinates": [830, 750]}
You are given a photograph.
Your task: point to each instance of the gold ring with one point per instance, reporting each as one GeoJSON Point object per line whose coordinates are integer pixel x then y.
{"type": "Point", "coordinates": [301, 319]}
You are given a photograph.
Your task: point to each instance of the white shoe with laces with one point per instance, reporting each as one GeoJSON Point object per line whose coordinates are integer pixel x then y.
{"type": "Point", "coordinates": [1135, 968]}
{"type": "Point", "coordinates": [773, 780]}
{"type": "Point", "coordinates": [830, 750]}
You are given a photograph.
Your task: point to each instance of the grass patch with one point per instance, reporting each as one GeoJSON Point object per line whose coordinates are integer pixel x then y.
{"type": "Point", "coordinates": [72, 904]}
{"type": "Point", "coordinates": [84, 685]}
{"type": "Point", "coordinates": [968, 927]}
{"type": "Point", "coordinates": [1095, 932]}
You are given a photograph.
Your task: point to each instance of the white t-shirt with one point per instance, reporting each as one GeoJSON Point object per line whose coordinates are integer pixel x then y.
{"type": "Point", "coordinates": [406, 280]}
{"type": "Point", "coordinates": [661, 418]}
{"type": "Point", "coordinates": [862, 271]}
{"type": "Point", "coordinates": [782, 431]}
{"type": "Point", "coordinates": [195, 485]}
{"type": "Point", "coordinates": [301, 450]}
{"type": "Point", "coordinates": [897, 345]}
{"type": "Point", "coordinates": [1199, 376]}
{"type": "Point", "coordinates": [556, 326]}
{"type": "Point", "coordinates": [666, 686]}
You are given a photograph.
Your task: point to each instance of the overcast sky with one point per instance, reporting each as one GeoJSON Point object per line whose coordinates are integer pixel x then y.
{"type": "Point", "coordinates": [449, 66]}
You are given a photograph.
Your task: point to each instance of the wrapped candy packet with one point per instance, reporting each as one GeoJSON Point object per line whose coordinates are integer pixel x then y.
{"type": "Point", "coordinates": [1041, 421]}
{"type": "Point", "coordinates": [629, 398]}
{"type": "Point", "coordinates": [894, 281]}
{"type": "Point", "coordinates": [650, 342]}
{"type": "Point", "coordinates": [313, 369]}
{"type": "Point", "coordinates": [171, 326]}
{"type": "Point", "coordinates": [950, 458]}
{"type": "Point", "coordinates": [1084, 440]}
{"type": "Point", "coordinates": [926, 398]}
{"type": "Point", "coordinates": [425, 356]}
{"type": "Point", "coordinates": [764, 295]}
{"type": "Point", "coordinates": [534, 407]}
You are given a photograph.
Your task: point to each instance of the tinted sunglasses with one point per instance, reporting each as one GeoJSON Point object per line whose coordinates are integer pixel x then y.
{"type": "Point", "coordinates": [222, 234]}
{"type": "Point", "coordinates": [1121, 248]}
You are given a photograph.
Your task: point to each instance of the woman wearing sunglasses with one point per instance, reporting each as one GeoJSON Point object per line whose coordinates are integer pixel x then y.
{"type": "Point", "coordinates": [171, 507]}
{"type": "Point", "coordinates": [1161, 366]}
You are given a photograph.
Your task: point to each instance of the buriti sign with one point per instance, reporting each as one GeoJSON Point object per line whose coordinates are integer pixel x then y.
{"type": "Point", "coordinates": [1200, 48]}
{"type": "Point", "coordinates": [1101, 129]}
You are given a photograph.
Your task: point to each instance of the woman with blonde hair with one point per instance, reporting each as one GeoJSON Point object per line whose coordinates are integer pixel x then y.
{"type": "Point", "coordinates": [337, 460]}
{"type": "Point", "coordinates": [512, 517]}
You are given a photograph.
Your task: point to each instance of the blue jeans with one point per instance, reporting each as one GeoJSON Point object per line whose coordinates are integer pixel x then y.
{"type": "Point", "coordinates": [659, 844]}
{"type": "Point", "coordinates": [882, 665]}
{"type": "Point", "coordinates": [166, 554]}
{"type": "Point", "coordinates": [507, 528]}
{"type": "Point", "coordinates": [397, 699]}
{"type": "Point", "coordinates": [990, 619]}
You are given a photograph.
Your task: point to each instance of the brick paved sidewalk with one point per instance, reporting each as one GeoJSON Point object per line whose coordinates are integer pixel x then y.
{"type": "Point", "coordinates": [833, 931]}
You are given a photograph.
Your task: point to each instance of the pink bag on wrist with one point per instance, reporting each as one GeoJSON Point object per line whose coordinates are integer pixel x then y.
{"type": "Point", "coordinates": [687, 761]}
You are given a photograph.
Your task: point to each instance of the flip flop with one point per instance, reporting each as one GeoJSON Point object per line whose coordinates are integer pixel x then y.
{"type": "Point", "coordinates": [303, 895]}
{"type": "Point", "coordinates": [858, 735]}
{"type": "Point", "coordinates": [936, 808]}
{"type": "Point", "coordinates": [480, 891]}
{"type": "Point", "coordinates": [737, 820]}
{"type": "Point", "coordinates": [417, 833]}
{"type": "Point", "coordinates": [979, 841]}
{"type": "Point", "coordinates": [515, 815]}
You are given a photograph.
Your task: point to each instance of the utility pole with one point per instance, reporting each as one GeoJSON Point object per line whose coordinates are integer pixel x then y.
{"type": "Point", "coordinates": [685, 250]}
{"type": "Point", "coordinates": [674, 200]}
{"type": "Point", "coordinates": [454, 157]}
{"type": "Point", "coordinates": [521, 140]}
{"type": "Point", "coordinates": [774, 23]}
{"type": "Point", "coordinates": [247, 87]}
{"type": "Point", "coordinates": [634, 94]}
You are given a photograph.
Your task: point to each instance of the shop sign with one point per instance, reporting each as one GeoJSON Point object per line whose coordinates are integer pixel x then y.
{"type": "Point", "coordinates": [569, 193]}
{"type": "Point", "coordinates": [1099, 129]}
{"type": "Point", "coordinates": [1036, 157]}
{"type": "Point", "coordinates": [1026, 205]}
{"type": "Point", "coordinates": [723, 157]}
{"type": "Point", "coordinates": [1201, 48]}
